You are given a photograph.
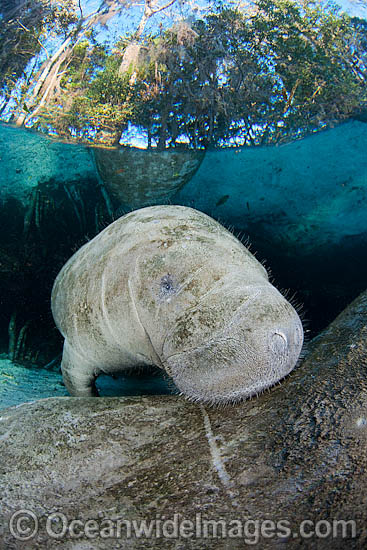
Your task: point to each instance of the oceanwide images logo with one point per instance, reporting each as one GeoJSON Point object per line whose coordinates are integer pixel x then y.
{"type": "Point", "coordinates": [25, 525]}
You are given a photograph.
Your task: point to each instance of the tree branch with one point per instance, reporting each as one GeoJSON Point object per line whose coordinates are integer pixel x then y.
{"type": "Point", "coordinates": [27, 30]}
{"type": "Point", "coordinates": [153, 12]}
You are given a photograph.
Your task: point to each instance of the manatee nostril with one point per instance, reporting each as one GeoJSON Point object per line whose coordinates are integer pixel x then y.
{"type": "Point", "coordinates": [279, 342]}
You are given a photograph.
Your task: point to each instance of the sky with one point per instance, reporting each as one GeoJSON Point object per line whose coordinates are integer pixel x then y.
{"type": "Point", "coordinates": [354, 8]}
{"type": "Point", "coordinates": [130, 22]}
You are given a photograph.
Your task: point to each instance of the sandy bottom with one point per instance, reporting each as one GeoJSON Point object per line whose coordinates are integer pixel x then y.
{"type": "Point", "coordinates": [19, 384]}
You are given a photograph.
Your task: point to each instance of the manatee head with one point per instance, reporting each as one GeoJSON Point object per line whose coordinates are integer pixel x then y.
{"type": "Point", "coordinates": [238, 341]}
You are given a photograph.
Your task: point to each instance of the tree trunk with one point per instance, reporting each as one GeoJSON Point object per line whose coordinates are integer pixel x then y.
{"type": "Point", "coordinates": [163, 132]}
{"type": "Point", "coordinates": [50, 67]}
{"type": "Point", "coordinates": [149, 137]}
{"type": "Point", "coordinates": [43, 78]}
{"type": "Point", "coordinates": [131, 54]}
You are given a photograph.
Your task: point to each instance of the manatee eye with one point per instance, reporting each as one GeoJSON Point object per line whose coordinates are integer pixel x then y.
{"type": "Point", "coordinates": [167, 286]}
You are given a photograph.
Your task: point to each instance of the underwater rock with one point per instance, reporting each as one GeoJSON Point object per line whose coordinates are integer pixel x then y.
{"type": "Point", "coordinates": [297, 453]}
{"type": "Point", "coordinates": [143, 177]}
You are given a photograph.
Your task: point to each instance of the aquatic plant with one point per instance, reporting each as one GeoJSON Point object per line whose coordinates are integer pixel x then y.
{"type": "Point", "coordinates": [36, 240]}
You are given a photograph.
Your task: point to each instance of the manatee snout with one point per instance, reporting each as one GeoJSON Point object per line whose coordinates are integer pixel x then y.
{"type": "Point", "coordinates": [259, 346]}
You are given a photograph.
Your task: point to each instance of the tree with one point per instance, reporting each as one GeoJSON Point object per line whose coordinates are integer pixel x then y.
{"type": "Point", "coordinates": [274, 74]}
{"type": "Point", "coordinates": [25, 24]}
{"type": "Point", "coordinates": [34, 20]}
{"type": "Point", "coordinates": [131, 54]}
{"type": "Point", "coordinates": [262, 75]}
{"type": "Point", "coordinates": [311, 51]}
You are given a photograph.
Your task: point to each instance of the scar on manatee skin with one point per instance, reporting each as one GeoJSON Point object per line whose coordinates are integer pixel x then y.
{"type": "Point", "coordinates": [214, 451]}
{"type": "Point", "coordinates": [216, 457]}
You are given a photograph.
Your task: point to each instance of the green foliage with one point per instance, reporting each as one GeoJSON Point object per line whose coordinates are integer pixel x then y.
{"type": "Point", "coordinates": [278, 72]}
{"type": "Point", "coordinates": [283, 71]}
{"type": "Point", "coordinates": [309, 49]}
{"type": "Point", "coordinates": [95, 101]}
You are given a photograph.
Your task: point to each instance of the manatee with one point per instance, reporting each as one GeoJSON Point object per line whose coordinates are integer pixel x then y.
{"type": "Point", "coordinates": [171, 287]}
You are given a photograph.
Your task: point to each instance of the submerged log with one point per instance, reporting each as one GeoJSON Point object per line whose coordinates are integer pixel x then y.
{"type": "Point", "coordinates": [296, 453]}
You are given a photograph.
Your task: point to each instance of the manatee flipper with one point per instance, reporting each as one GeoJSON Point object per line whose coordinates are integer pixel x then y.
{"type": "Point", "coordinates": [78, 374]}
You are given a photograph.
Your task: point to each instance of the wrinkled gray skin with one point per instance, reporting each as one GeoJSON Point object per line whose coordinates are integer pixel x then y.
{"type": "Point", "coordinates": [169, 286]}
